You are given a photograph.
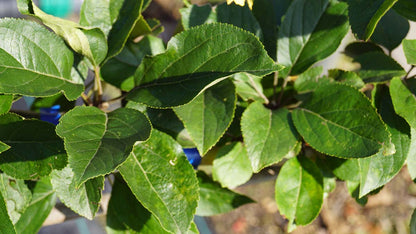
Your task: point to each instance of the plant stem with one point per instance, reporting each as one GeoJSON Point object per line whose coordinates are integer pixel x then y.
{"type": "Point", "coordinates": [408, 72]}
{"type": "Point", "coordinates": [186, 3]}
{"type": "Point", "coordinates": [275, 83]}
{"type": "Point", "coordinates": [98, 89]}
{"type": "Point", "coordinates": [279, 99]}
{"type": "Point", "coordinates": [86, 99]}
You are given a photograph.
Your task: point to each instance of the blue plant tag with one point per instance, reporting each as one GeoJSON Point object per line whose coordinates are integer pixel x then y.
{"type": "Point", "coordinates": [50, 114]}
{"type": "Point", "coordinates": [193, 156]}
{"type": "Point", "coordinates": [58, 8]}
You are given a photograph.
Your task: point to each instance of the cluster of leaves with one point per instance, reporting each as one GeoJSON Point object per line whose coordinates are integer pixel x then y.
{"type": "Point", "coordinates": [235, 83]}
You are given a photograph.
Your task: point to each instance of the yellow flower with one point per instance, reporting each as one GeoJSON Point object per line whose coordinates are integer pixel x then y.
{"type": "Point", "coordinates": [241, 2]}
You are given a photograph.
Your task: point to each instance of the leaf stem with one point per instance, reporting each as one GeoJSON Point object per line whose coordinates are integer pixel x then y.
{"type": "Point", "coordinates": [186, 3]}
{"type": "Point", "coordinates": [86, 99]}
{"type": "Point", "coordinates": [408, 72]}
{"type": "Point", "coordinates": [98, 89]}
{"type": "Point", "coordinates": [279, 99]}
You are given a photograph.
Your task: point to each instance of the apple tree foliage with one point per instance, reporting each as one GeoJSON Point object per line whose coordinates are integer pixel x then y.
{"type": "Point", "coordinates": [236, 83]}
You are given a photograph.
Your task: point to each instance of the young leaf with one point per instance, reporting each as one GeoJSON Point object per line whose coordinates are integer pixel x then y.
{"type": "Point", "coordinates": [306, 22]}
{"type": "Point", "coordinates": [30, 64]}
{"type": "Point", "coordinates": [411, 157]}
{"type": "Point", "coordinates": [97, 142]}
{"type": "Point", "coordinates": [163, 181]}
{"type": "Point", "coordinates": [43, 200]}
{"type": "Point", "coordinates": [5, 222]}
{"type": "Point", "coordinates": [84, 200]}
{"type": "Point", "coordinates": [406, 8]}
{"type": "Point", "coordinates": [126, 215]}
{"type": "Point", "coordinates": [119, 70]}
{"type": "Point", "coordinates": [379, 169]}
{"type": "Point", "coordinates": [365, 15]}
{"type": "Point", "coordinates": [89, 42]}
{"type": "Point", "coordinates": [194, 59]}
{"type": "Point", "coordinates": [208, 116]}
{"type": "Point", "coordinates": [378, 67]}
{"type": "Point", "coordinates": [409, 48]}
{"type": "Point", "coordinates": [216, 200]}
{"type": "Point", "coordinates": [269, 135]}
{"type": "Point", "coordinates": [232, 166]}
{"type": "Point", "coordinates": [35, 149]}
{"type": "Point", "coordinates": [391, 30]}
{"type": "Point", "coordinates": [5, 103]}
{"type": "Point", "coordinates": [299, 191]}
{"type": "Point", "coordinates": [16, 194]}
{"type": "Point", "coordinates": [404, 99]}
{"type": "Point", "coordinates": [249, 87]}
{"type": "Point", "coordinates": [340, 121]}
{"type": "Point", "coordinates": [114, 17]}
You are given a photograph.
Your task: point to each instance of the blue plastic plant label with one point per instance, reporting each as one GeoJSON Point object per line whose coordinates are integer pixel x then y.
{"type": "Point", "coordinates": [193, 156]}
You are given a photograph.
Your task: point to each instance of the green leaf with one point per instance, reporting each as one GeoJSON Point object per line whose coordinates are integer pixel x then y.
{"type": "Point", "coordinates": [197, 15]}
{"type": "Point", "coordinates": [119, 70]}
{"type": "Point", "coordinates": [413, 223]}
{"type": "Point", "coordinates": [89, 42]}
{"type": "Point", "coordinates": [378, 67]}
{"type": "Point", "coordinates": [344, 169]}
{"type": "Point", "coordinates": [5, 222]}
{"type": "Point", "coordinates": [84, 200]}
{"type": "Point", "coordinates": [365, 15]}
{"type": "Point", "coordinates": [379, 169]}
{"type": "Point", "coordinates": [161, 178]}
{"type": "Point", "coordinates": [354, 190]}
{"type": "Point", "coordinates": [43, 200]}
{"type": "Point", "coordinates": [249, 87]}
{"type": "Point", "coordinates": [208, 116]}
{"type": "Point", "coordinates": [300, 40]}
{"type": "Point", "coordinates": [269, 135]}
{"type": "Point", "coordinates": [126, 215]}
{"type": "Point", "coordinates": [16, 195]}
{"type": "Point", "coordinates": [299, 191]}
{"type": "Point", "coordinates": [194, 59]}
{"type": "Point", "coordinates": [411, 157]}
{"type": "Point", "coordinates": [98, 142]}
{"type": "Point", "coordinates": [338, 120]}
{"type": "Point", "coordinates": [310, 80]}
{"type": "Point", "coordinates": [346, 77]}
{"type": "Point", "coordinates": [409, 48]}
{"type": "Point", "coordinates": [216, 200]}
{"type": "Point", "coordinates": [232, 166]}
{"type": "Point", "coordinates": [404, 99]}
{"type": "Point", "coordinates": [3, 147]}
{"type": "Point", "coordinates": [29, 64]}
{"type": "Point", "coordinates": [406, 8]}
{"type": "Point", "coordinates": [391, 30]}
{"type": "Point", "coordinates": [358, 48]}
{"type": "Point", "coordinates": [35, 149]}
{"type": "Point", "coordinates": [6, 102]}
{"type": "Point", "coordinates": [115, 18]}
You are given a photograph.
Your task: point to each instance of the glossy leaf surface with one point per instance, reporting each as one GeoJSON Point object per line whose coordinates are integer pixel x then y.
{"type": "Point", "coordinates": [269, 135]}
{"type": "Point", "coordinates": [217, 200]}
{"type": "Point", "coordinates": [365, 15]}
{"type": "Point", "coordinates": [35, 149]}
{"type": "Point", "coordinates": [299, 191]}
{"type": "Point", "coordinates": [97, 142]}
{"type": "Point", "coordinates": [84, 200]}
{"type": "Point", "coordinates": [194, 59]}
{"type": "Point", "coordinates": [378, 67]}
{"type": "Point", "coordinates": [379, 169]}
{"type": "Point", "coordinates": [306, 23]}
{"type": "Point", "coordinates": [39, 71]}
{"type": "Point", "coordinates": [232, 166]}
{"type": "Point", "coordinates": [338, 120]}
{"type": "Point", "coordinates": [208, 116]}
{"type": "Point", "coordinates": [126, 214]}
{"type": "Point", "coordinates": [164, 182]}
{"type": "Point", "coordinates": [404, 99]}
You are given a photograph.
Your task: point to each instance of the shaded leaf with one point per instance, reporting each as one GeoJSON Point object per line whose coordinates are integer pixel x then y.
{"type": "Point", "coordinates": [232, 166]}
{"type": "Point", "coordinates": [404, 99]}
{"type": "Point", "coordinates": [5, 222]}
{"type": "Point", "coordinates": [5, 103]}
{"type": "Point", "coordinates": [346, 77]}
{"type": "Point", "coordinates": [38, 71]}
{"type": "Point", "coordinates": [216, 200]}
{"type": "Point", "coordinates": [114, 17]}
{"type": "Point", "coordinates": [197, 15]}
{"type": "Point", "coordinates": [391, 30]}
{"type": "Point", "coordinates": [208, 116]}
{"type": "Point", "coordinates": [84, 200]}
{"type": "Point", "coordinates": [406, 8]}
{"type": "Point", "coordinates": [269, 135]}
{"type": "Point", "coordinates": [194, 59]}
{"type": "Point", "coordinates": [98, 142]}
{"type": "Point", "coordinates": [306, 23]}
{"type": "Point", "coordinates": [378, 67]}
{"type": "Point", "coordinates": [126, 214]}
{"type": "Point", "coordinates": [354, 190]}
{"type": "Point", "coordinates": [163, 181]}
{"type": "Point", "coordinates": [344, 169]}
{"type": "Point", "coordinates": [299, 191]}
{"type": "Point", "coordinates": [365, 15]}
{"type": "Point", "coordinates": [35, 149]}
{"type": "Point", "coordinates": [379, 169]}
{"type": "Point", "coordinates": [120, 69]}
{"type": "Point", "coordinates": [340, 121]}
{"type": "Point", "coordinates": [409, 48]}
{"type": "Point", "coordinates": [358, 48]}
